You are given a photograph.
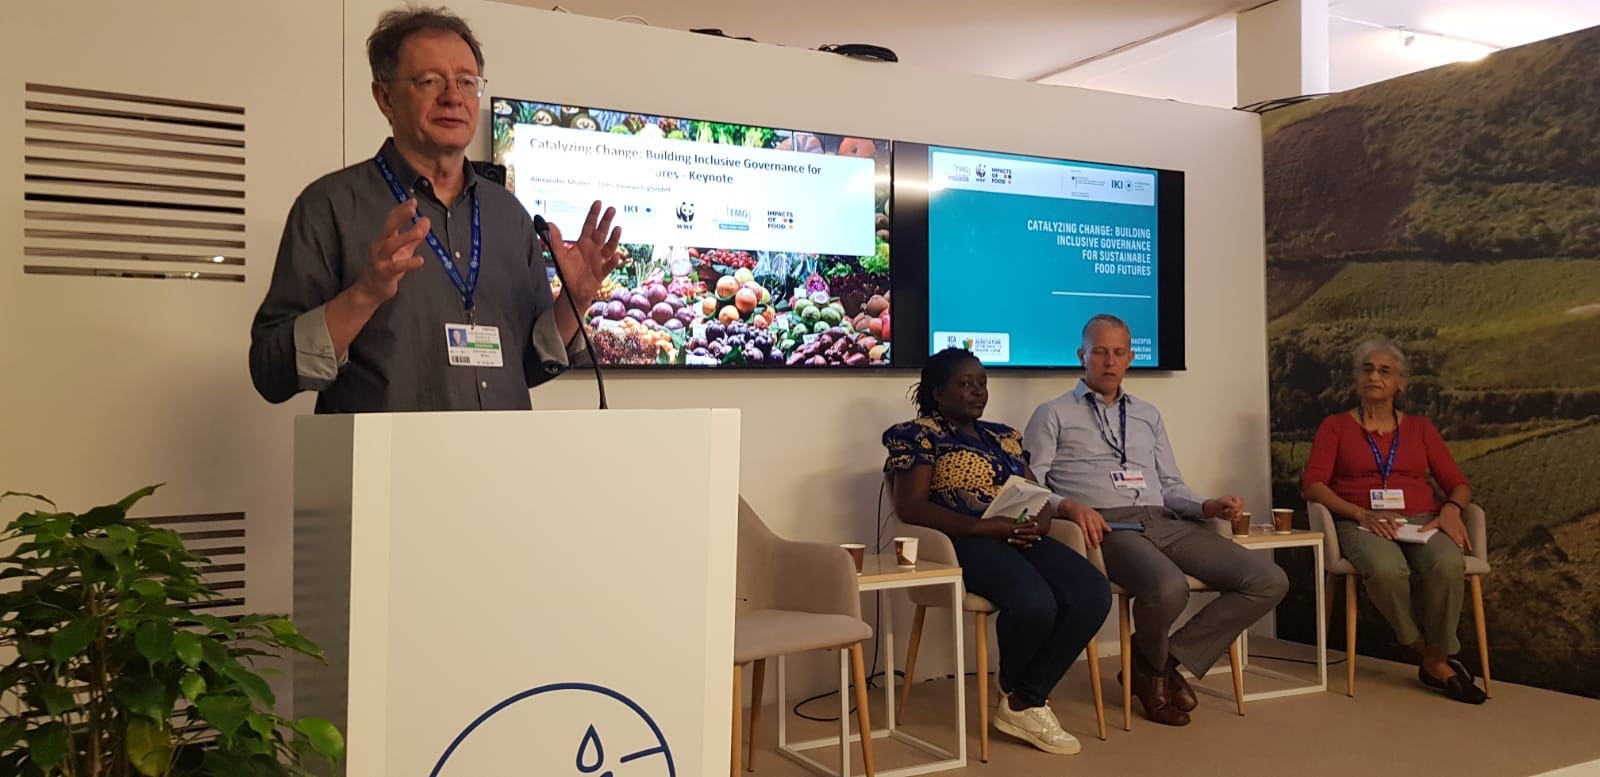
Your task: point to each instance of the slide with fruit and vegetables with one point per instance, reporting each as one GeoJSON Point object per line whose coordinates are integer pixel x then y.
{"type": "Point", "coordinates": [747, 246]}
{"type": "Point", "coordinates": [1023, 250]}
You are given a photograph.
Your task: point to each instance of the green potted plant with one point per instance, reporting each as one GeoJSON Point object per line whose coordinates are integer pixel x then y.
{"type": "Point", "coordinates": [109, 671]}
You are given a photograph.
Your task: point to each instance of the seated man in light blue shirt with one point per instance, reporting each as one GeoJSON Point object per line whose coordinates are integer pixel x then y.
{"type": "Point", "coordinates": [1106, 455]}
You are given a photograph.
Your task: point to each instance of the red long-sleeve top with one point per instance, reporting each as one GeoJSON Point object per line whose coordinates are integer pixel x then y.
{"type": "Point", "coordinates": [1342, 459]}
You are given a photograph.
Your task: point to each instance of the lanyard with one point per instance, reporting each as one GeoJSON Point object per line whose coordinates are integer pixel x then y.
{"type": "Point", "coordinates": [1105, 430]}
{"type": "Point", "coordinates": [1384, 467]}
{"type": "Point", "coordinates": [468, 286]}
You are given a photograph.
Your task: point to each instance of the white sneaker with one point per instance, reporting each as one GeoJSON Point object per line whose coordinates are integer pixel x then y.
{"type": "Point", "coordinates": [1037, 726]}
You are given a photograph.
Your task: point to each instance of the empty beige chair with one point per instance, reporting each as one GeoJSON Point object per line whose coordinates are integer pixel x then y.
{"type": "Point", "coordinates": [1477, 566]}
{"type": "Point", "coordinates": [1123, 603]}
{"type": "Point", "coordinates": [934, 545]}
{"type": "Point", "coordinates": [793, 597]}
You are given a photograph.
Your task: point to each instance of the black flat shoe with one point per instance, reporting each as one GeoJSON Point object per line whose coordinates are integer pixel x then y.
{"type": "Point", "coordinates": [1461, 669]}
{"type": "Point", "coordinates": [1458, 687]}
{"type": "Point", "coordinates": [1461, 689]}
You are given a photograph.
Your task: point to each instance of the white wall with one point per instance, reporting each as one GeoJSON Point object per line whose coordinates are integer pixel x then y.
{"type": "Point", "coordinates": [812, 454]}
{"type": "Point", "coordinates": [110, 384]}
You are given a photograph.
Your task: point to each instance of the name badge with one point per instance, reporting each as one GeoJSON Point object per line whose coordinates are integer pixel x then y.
{"type": "Point", "coordinates": [1128, 479]}
{"type": "Point", "coordinates": [1387, 499]}
{"type": "Point", "coordinates": [469, 345]}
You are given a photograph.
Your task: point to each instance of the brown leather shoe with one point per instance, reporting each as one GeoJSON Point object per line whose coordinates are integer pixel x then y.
{"type": "Point", "coordinates": [1155, 695]}
{"type": "Point", "coordinates": [1182, 695]}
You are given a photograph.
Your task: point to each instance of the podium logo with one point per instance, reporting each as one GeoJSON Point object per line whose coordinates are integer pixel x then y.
{"type": "Point", "coordinates": [559, 729]}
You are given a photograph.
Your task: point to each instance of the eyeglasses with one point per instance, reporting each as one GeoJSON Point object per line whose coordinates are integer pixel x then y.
{"type": "Point", "coordinates": [432, 84]}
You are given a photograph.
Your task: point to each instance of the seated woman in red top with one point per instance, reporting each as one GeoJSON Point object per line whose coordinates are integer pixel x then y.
{"type": "Point", "coordinates": [1369, 466]}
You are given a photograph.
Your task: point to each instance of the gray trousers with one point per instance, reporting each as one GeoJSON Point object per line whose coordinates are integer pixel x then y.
{"type": "Point", "coordinates": [1151, 565]}
{"type": "Point", "coordinates": [1409, 582]}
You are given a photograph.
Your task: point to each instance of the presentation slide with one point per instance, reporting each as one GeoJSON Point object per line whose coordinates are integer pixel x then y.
{"type": "Point", "coordinates": [1023, 250]}
{"type": "Point", "coordinates": [743, 246]}
{"type": "Point", "coordinates": [670, 192]}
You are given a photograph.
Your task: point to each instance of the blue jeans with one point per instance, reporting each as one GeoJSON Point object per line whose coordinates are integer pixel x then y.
{"type": "Point", "coordinates": [1051, 600]}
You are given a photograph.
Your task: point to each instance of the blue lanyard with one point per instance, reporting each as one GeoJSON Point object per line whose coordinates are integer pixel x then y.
{"type": "Point", "coordinates": [1384, 467]}
{"type": "Point", "coordinates": [1120, 445]}
{"type": "Point", "coordinates": [469, 286]}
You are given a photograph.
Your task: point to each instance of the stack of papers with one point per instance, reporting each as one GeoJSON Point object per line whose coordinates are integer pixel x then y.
{"type": "Point", "coordinates": [1411, 533]}
{"type": "Point", "coordinates": [1019, 494]}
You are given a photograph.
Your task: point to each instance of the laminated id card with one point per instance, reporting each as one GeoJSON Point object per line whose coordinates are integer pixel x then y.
{"type": "Point", "coordinates": [468, 345]}
{"type": "Point", "coordinates": [1128, 479]}
{"type": "Point", "coordinates": [1388, 499]}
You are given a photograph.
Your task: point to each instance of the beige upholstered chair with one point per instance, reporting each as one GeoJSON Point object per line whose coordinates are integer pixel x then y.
{"type": "Point", "coordinates": [793, 597]}
{"type": "Point", "coordinates": [934, 545]}
{"type": "Point", "coordinates": [1477, 567]}
{"type": "Point", "coordinates": [1123, 603]}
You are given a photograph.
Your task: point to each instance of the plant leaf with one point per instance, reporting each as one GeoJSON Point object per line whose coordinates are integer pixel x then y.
{"type": "Point", "coordinates": [127, 535]}
{"type": "Point", "coordinates": [186, 644]}
{"type": "Point", "coordinates": [300, 644]}
{"type": "Point", "coordinates": [154, 641]}
{"type": "Point", "coordinates": [11, 731]}
{"type": "Point", "coordinates": [143, 694]}
{"type": "Point", "coordinates": [27, 495]}
{"type": "Point", "coordinates": [262, 725]}
{"type": "Point", "coordinates": [47, 745]}
{"type": "Point", "coordinates": [149, 746]}
{"type": "Point", "coordinates": [128, 501]}
{"type": "Point", "coordinates": [73, 638]}
{"type": "Point", "coordinates": [224, 713]}
{"type": "Point", "coordinates": [324, 737]}
{"type": "Point", "coordinates": [213, 623]}
{"type": "Point", "coordinates": [56, 699]}
{"type": "Point", "coordinates": [253, 685]}
{"type": "Point", "coordinates": [192, 685]}
{"type": "Point", "coordinates": [149, 590]}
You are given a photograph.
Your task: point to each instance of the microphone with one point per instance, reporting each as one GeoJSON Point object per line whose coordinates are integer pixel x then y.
{"type": "Point", "coordinates": [542, 229]}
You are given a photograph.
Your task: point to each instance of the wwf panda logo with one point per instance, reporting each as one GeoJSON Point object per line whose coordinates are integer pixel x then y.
{"type": "Point", "coordinates": [686, 212]}
{"type": "Point", "coordinates": [982, 171]}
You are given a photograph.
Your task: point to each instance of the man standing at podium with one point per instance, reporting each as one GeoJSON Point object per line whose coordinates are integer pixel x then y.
{"type": "Point", "coordinates": [407, 283]}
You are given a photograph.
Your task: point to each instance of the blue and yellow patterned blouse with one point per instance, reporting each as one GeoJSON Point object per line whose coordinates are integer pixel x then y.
{"type": "Point", "coordinates": [967, 472]}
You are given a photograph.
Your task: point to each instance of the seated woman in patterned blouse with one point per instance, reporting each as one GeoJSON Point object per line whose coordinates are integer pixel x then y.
{"type": "Point", "coordinates": [947, 467]}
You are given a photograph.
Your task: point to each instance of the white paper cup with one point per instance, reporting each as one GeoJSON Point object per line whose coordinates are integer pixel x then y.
{"type": "Point", "coordinates": [905, 552]}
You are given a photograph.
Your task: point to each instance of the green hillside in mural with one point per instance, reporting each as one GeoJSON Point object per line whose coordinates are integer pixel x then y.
{"type": "Point", "coordinates": [1458, 211]}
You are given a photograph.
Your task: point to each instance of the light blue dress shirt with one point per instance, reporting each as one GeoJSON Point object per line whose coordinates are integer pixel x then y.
{"type": "Point", "coordinates": [1076, 442]}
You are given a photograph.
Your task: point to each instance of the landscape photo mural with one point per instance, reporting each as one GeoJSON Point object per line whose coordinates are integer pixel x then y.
{"type": "Point", "coordinates": [1457, 211]}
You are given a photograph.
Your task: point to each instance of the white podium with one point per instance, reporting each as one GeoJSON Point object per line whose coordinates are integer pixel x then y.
{"type": "Point", "coordinates": [519, 593]}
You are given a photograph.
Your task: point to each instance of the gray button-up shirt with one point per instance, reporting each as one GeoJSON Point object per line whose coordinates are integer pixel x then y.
{"type": "Point", "coordinates": [1072, 441]}
{"type": "Point", "coordinates": [399, 361]}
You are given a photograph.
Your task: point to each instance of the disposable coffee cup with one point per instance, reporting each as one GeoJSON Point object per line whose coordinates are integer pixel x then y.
{"type": "Point", "coordinates": [1282, 521]}
{"type": "Point", "coordinates": [858, 553]}
{"type": "Point", "coordinates": [905, 552]}
{"type": "Point", "coordinates": [1241, 525]}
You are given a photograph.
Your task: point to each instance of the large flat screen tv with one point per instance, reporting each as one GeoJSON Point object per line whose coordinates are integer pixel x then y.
{"type": "Point", "coordinates": [1022, 250]}
{"type": "Point", "coordinates": [744, 246]}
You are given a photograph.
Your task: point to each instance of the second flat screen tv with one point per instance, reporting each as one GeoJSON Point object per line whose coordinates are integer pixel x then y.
{"type": "Point", "coordinates": [1022, 250]}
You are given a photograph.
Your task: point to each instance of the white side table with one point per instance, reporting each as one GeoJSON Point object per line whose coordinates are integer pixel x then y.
{"type": "Point", "coordinates": [879, 573]}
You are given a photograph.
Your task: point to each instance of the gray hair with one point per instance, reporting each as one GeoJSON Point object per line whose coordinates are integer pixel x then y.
{"type": "Point", "coordinates": [1365, 351]}
{"type": "Point", "coordinates": [383, 45]}
{"type": "Point", "coordinates": [1102, 318]}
